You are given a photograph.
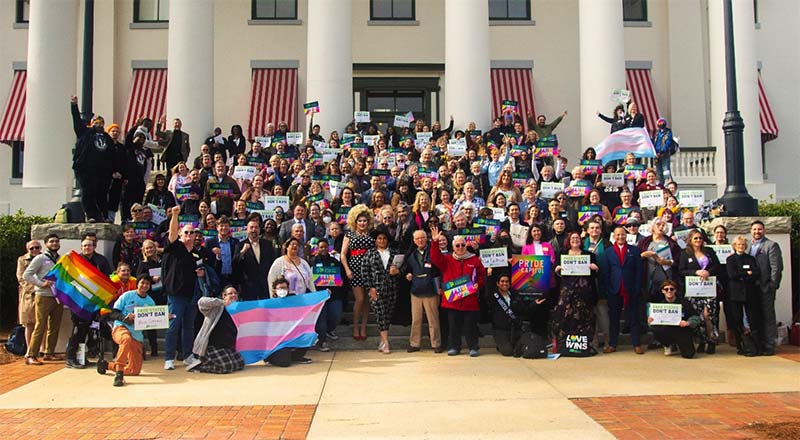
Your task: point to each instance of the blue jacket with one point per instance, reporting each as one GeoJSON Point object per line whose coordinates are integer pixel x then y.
{"type": "Point", "coordinates": [662, 141]}
{"type": "Point", "coordinates": [616, 272]}
{"type": "Point", "coordinates": [213, 242]}
{"type": "Point", "coordinates": [425, 276]}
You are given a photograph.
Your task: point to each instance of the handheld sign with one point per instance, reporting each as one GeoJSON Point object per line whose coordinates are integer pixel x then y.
{"type": "Point", "coordinates": [518, 234]}
{"type": "Point", "coordinates": [591, 167]}
{"type": "Point", "coordinates": [575, 265]}
{"type": "Point", "coordinates": [698, 288]}
{"type": "Point", "coordinates": [371, 140]}
{"type": "Point", "coordinates": [151, 318]}
{"type": "Point", "coordinates": [613, 179]}
{"type": "Point", "coordinates": [271, 202]}
{"type": "Point", "coordinates": [361, 117]}
{"type": "Point", "coordinates": [620, 96]}
{"type": "Point", "coordinates": [424, 137]}
{"type": "Point", "coordinates": [548, 190]}
{"type": "Point", "coordinates": [159, 214]}
{"type": "Point", "coordinates": [459, 288]}
{"type": "Point", "coordinates": [521, 179]}
{"type": "Point", "coordinates": [692, 198]}
{"type": "Point", "coordinates": [621, 215]}
{"type": "Point", "coordinates": [651, 199]}
{"type": "Point", "coordinates": [509, 106]}
{"type": "Point", "coordinates": [664, 314]}
{"type": "Point", "coordinates": [294, 138]}
{"type": "Point", "coordinates": [530, 274]}
{"type": "Point", "coordinates": [680, 237]}
{"type": "Point", "coordinates": [497, 257]}
{"type": "Point", "coordinates": [400, 121]}
{"type": "Point", "coordinates": [723, 251]}
{"type": "Point", "coordinates": [245, 172]}
{"type": "Point", "coordinates": [311, 107]}
{"type": "Point", "coordinates": [578, 188]}
{"type": "Point", "coordinates": [330, 276]}
{"type": "Point", "coordinates": [492, 226]}
{"type": "Point", "coordinates": [456, 149]}
{"type": "Point", "coordinates": [633, 172]}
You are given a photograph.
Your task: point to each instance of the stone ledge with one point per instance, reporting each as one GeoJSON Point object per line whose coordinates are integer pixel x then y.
{"type": "Point", "coordinates": [741, 225]}
{"type": "Point", "coordinates": [75, 231]}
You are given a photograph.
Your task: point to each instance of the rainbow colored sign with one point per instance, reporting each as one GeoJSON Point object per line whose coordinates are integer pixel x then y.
{"type": "Point", "coordinates": [459, 288]}
{"type": "Point", "coordinates": [326, 276]}
{"type": "Point", "coordinates": [530, 274]}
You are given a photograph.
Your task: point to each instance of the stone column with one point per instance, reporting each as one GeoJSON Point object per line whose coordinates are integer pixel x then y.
{"type": "Point", "coordinates": [329, 64]}
{"type": "Point", "coordinates": [190, 78]}
{"type": "Point", "coordinates": [49, 136]}
{"type": "Point", "coordinates": [602, 64]}
{"type": "Point", "coordinates": [467, 93]}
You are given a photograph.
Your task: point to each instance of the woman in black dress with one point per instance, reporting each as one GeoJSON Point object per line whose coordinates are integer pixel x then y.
{"type": "Point", "coordinates": [575, 312]}
{"type": "Point", "coordinates": [356, 243]}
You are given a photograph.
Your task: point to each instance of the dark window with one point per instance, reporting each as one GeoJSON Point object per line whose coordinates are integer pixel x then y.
{"type": "Point", "coordinates": [509, 10]}
{"type": "Point", "coordinates": [17, 148]}
{"type": "Point", "coordinates": [634, 10]}
{"type": "Point", "coordinates": [396, 101]}
{"type": "Point", "coordinates": [755, 10]}
{"type": "Point", "coordinates": [150, 11]}
{"type": "Point", "coordinates": [23, 10]}
{"type": "Point", "coordinates": [274, 9]}
{"type": "Point", "coordinates": [392, 10]}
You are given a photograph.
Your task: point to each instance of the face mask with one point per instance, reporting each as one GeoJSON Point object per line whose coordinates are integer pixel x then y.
{"type": "Point", "coordinates": [326, 219]}
{"type": "Point", "coordinates": [281, 293]}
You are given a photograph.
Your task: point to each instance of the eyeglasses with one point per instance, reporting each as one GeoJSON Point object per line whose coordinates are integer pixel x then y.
{"type": "Point", "coordinates": [459, 245]}
{"type": "Point", "coordinates": [34, 248]}
{"type": "Point", "coordinates": [136, 210]}
{"type": "Point", "coordinates": [188, 232]}
{"type": "Point", "coordinates": [668, 289]}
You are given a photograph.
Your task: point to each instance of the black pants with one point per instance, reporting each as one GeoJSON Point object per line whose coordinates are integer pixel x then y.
{"type": "Point", "coordinates": [615, 304]}
{"type": "Point", "coordinates": [465, 324]}
{"type": "Point", "coordinates": [80, 329]}
{"type": "Point", "coordinates": [133, 193]}
{"type": "Point", "coordinates": [765, 321]}
{"type": "Point", "coordinates": [673, 335]}
{"type": "Point", "coordinates": [506, 340]}
{"type": "Point", "coordinates": [94, 193]}
{"type": "Point", "coordinates": [114, 195]}
{"type": "Point", "coordinates": [285, 356]}
{"type": "Point", "coordinates": [751, 306]}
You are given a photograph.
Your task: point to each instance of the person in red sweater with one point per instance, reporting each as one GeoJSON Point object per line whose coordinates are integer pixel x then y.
{"type": "Point", "coordinates": [462, 313]}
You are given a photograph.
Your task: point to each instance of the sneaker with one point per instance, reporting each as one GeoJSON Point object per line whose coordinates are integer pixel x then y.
{"type": "Point", "coordinates": [323, 347]}
{"type": "Point", "coordinates": [452, 352]}
{"type": "Point", "coordinates": [332, 336]}
{"type": "Point", "coordinates": [119, 379]}
{"type": "Point", "coordinates": [169, 365]}
{"type": "Point", "coordinates": [191, 362]}
{"type": "Point", "coordinates": [303, 360]}
{"type": "Point", "coordinates": [72, 363]}
{"type": "Point", "coordinates": [668, 351]}
{"type": "Point", "coordinates": [474, 353]}
{"type": "Point", "coordinates": [102, 366]}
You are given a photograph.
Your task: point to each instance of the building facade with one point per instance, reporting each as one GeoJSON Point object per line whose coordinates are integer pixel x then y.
{"type": "Point", "coordinates": [251, 62]}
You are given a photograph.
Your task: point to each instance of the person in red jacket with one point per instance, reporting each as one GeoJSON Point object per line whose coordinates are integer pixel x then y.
{"type": "Point", "coordinates": [462, 313]}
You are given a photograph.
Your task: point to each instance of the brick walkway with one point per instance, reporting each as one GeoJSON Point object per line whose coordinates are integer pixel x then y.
{"type": "Point", "coordinates": [16, 374]}
{"type": "Point", "coordinates": [163, 423]}
{"type": "Point", "coordinates": [791, 352]}
{"type": "Point", "coordinates": [723, 416]}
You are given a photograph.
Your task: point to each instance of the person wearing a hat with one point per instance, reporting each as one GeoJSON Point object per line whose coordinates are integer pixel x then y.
{"type": "Point", "coordinates": [92, 163]}
{"type": "Point", "coordinates": [632, 228]}
{"type": "Point", "coordinates": [380, 269]}
{"type": "Point", "coordinates": [663, 143]}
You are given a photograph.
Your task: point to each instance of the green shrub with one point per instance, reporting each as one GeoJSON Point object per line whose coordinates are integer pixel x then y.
{"type": "Point", "coordinates": [784, 209]}
{"type": "Point", "coordinates": [15, 231]}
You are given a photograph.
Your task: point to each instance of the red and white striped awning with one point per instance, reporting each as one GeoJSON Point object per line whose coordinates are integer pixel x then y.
{"type": "Point", "coordinates": [769, 128]}
{"type": "Point", "coordinates": [12, 124]}
{"type": "Point", "coordinates": [273, 98]}
{"type": "Point", "coordinates": [514, 85]}
{"type": "Point", "coordinates": [641, 86]}
{"type": "Point", "coordinates": [148, 96]}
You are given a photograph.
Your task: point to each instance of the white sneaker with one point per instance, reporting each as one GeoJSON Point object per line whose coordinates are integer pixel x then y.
{"type": "Point", "coordinates": [169, 365]}
{"type": "Point", "coordinates": [191, 362]}
{"type": "Point", "coordinates": [323, 347]}
{"type": "Point", "coordinates": [670, 350]}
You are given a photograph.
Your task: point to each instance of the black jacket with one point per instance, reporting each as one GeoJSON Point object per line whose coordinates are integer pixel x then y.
{"type": "Point", "coordinates": [424, 273]}
{"type": "Point", "coordinates": [252, 273]}
{"type": "Point", "coordinates": [94, 151]}
{"type": "Point", "coordinates": [501, 319]}
{"type": "Point", "coordinates": [740, 284]}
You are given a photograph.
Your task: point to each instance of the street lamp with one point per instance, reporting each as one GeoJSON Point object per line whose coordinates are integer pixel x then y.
{"type": "Point", "coordinates": [736, 200]}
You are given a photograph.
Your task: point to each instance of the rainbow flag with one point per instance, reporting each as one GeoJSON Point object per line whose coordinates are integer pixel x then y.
{"type": "Point", "coordinates": [268, 325]}
{"type": "Point", "coordinates": [81, 287]}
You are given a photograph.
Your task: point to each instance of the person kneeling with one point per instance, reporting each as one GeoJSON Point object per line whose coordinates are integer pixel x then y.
{"type": "Point", "coordinates": [214, 349]}
{"type": "Point", "coordinates": [680, 335]}
{"type": "Point", "coordinates": [286, 356]}
{"type": "Point", "coordinates": [129, 355]}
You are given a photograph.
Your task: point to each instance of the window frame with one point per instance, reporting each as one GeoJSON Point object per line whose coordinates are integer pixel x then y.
{"type": "Point", "coordinates": [372, 16]}
{"type": "Point", "coordinates": [17, 158]}
{"type": "Point", "coordinates": [137, 19]}
{"type": "Point", "coordinates": [644, 18]}
{"type": "Point", "coordinates": [19, 13]}
{"type": "Point", "coordinates": [528, 17]}
{"type": "Point", "coordinates": [275, 17]}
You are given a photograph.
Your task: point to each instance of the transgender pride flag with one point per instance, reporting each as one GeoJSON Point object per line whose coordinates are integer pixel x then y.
{"type": "Point", "coordinates": [630, 140]}
{"type": "Point", "coordinates": [265, 326]}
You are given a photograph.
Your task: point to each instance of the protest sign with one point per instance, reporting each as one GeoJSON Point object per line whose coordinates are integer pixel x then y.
{"type": "Point", "coordinates": [509, 106]}
{"type": "Point", "coordinates": [311, 107]}
{"type": "Point", "coordinates": [217, 190]}
{"type": "Point", "coordinates": [319, 146]}
{"type": "Point", "coordinates": [498, 214]}
{"type": "Point", "coordinates": [183, 193]}
{"type": "Point", "coordinates": [335, 187]}
{"type": "Point", "coordinates": [294, 138]}
{"type": "Point", "coordinates": [542, 152]}
{"type": "Point", "coordinates": [492, 226]}
{"type": "Point", "coordinates": [651, 199]}
{"type": "Point", "coordinates": [245, 172]}
{"type": "Point", "coordinates": [150, 318]}
{"type": "Point", "coordinates": [665, 314]}
{"type": "Point", "coordinates": [521, 180]}
{"type": "Point", "coordinates": [143, 230]}
{"type": "Point", "coordinates": [272, 202]}
{"type": "Point", "coordinates": [620, 96]}
{"type": "Point", "coordinates": [326, 276]}
{"type": "Point", "coordinates": [613, 179]}
{"type": "Point", "coordinates": [588, 211]}
{"type": "Point", "coordinates": [400, 121]}
{"type": "Point", "coordinates": [472, 236]}
{"type": "Point", "coordinates": [723, 251]}
{"type": "Point", "coordinates": [519, 234]}
{"type": "Point", "coordinates": [530, 274]}
{"type": "Point", "coordinates": [184, 220]}
{"type": "Point", "coordinates": [699, 288]}
{"type": "Point", "coordinates": [371, 139]}
{"type": "Point", "coordinates": [575, 265]}
{"type": "Point", "coordinates": [497, 257]}
{"type": "Point", "coordinates": [692, 198]}
{"type": "Point", "coordinates": [548, 142]}
{"type": "Point", "coordinates": [155, 272]}
{"type": "Point", "coordinates": [589, 167]}
{"type": "Point", "coordinates": [264, 141]}
{"type": "Point", "coordinates": [633, 172]}
{"type": "Point", "coordinates": [159, 214]}
{"type": "Point", "coordinates": [239, 228]}
{"type": "Point", "coordinates": [578, 188]}
{"type": "Point", "coordinates": [361, 117]}
{"type": "Point", "coordinates": [456, 149]}
{"type": "Point", "coordinates": [424, 137]}
{"type": "Point", "coordinates": [548, 190]}
{"type": "Point", "coordinates": [459, 288]}
{"type": "Point", "coordinates": [681, 236]}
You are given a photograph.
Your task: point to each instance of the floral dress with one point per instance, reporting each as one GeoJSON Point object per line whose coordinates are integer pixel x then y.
{"type": "Point", "coordinates": [359, 245]}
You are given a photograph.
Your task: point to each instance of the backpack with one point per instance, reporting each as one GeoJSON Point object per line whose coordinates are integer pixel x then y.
{"type": "Point", "coordinates": [674, 147]}
{"type": "Point", "coordinates": [531, 346]}
{"type": "Point", "coordinates": [16, 341]}
{"type": "Point", "coordinates": [62, 216]}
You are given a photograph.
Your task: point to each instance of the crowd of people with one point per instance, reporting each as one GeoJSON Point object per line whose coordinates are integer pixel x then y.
{"type": "Point", "coordinates": [394, 215]}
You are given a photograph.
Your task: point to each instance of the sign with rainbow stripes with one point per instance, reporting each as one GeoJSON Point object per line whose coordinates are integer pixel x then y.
{"type": "Point", "coordinates": [326, 276]}
{"type": "Point", "coordinates": [530, 274]}
{"type": "Point", "coordinates": [459, 288]}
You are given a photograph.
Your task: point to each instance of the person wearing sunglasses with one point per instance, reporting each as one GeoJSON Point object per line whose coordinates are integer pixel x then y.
{"type": "Point", "coordinates": [676, 337]}
{"type": "Point", "coordinates": [698, 260]}
{"type": "Point", "coordinates": [27, 291]}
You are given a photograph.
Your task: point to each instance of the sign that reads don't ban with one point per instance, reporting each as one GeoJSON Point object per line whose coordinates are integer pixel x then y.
{"type": "Point", "coordinates": [151, 317]}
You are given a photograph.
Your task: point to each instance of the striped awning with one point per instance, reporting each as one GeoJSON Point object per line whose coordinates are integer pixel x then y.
{"type": "Point", "coordinates": [513, 85]}
{"type": "Point", "coordinates": [769, 128]}
{"type": "Point", "coordinates": [12, 124]}
{"type": "Point", "coordinates": [641, 86]}
{"type": "Point", "coordinates": [148, 95]}
{"type": "Point", "coordinates": [273, 98]}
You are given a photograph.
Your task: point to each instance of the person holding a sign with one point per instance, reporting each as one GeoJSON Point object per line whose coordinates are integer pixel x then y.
{"type": "Point", "coordinates": [697, 260]}
{"type": "Point", "coordinates": [380, 278]}
{"type": "Point", "coordinates": [592, 206]}
{"type": "Point", "coordinates": [674, 326]}
{"type": "Point", "coordinates": [499, 159]}
{"type": "Point", "coordinates": [622, 279]}
{"type": "Point", "coordinates": [661, 255]}
{"type": "Point", "coordinates": [463, 313]}
{"type": "Point", "coordinates": [505, 186]}
{"type": "Point", "coordinates": [222, 189]}
{"type": "Point", "coordinates": [124, 333]}
{"type": "Point", "coordinates": [577, 270]}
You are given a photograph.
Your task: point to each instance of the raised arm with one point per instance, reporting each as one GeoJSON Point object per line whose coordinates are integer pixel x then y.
{"type": "Point", "coordinates": [174, 224]}
{"type": "Point", "coordinates": [78, 124]}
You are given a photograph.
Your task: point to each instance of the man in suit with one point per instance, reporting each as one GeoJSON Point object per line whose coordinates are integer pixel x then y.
{"type": "Point", "coordinates": [623, 276]}
{"type": "Point", "coordinates": [770, 262]}
{"type": "Point", "coordinates": [223, 246]}
{"type": "Point", "coordinates": [175, 142]}
{"type": "Point", "coordinates": [252, 261]}
{"type": "Point", "coordinates": [299, 218]}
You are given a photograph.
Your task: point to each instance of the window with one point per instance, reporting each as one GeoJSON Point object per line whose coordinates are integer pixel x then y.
{"type": "Point", "coordinates": [755, 10]}
{"type": "Point", "coordinates": [274, 9]}
{"type": "Point", "coordinates": [509, 10]}
{"type": "Point", "coordinates": [391, 10]}
{"type": "Point", "coordinates": [17, 148]}
{"type": "Point", "coordinates": [634, 10]}
{"type": "Point", "coordinates": [23, 10]}
{"type": "Point", "coordinates": [150, 11]}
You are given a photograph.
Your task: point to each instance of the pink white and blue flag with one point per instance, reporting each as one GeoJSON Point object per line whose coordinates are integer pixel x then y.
{"type": "Point", "coordinates": [630, 140]}
{"type": "Point", "coordinates": [410, 116]}
{"type": "Point", "coordinates": [268, 325]}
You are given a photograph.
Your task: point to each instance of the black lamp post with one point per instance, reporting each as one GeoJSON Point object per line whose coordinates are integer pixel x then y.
{"type": "Point", "coordinates": [737, 200]}
{"type": "Point", "coordinates": [88, 60]}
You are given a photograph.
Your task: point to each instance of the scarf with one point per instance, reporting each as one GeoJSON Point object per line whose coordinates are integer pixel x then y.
{"type": "Point", "coordinates": [467, 255]}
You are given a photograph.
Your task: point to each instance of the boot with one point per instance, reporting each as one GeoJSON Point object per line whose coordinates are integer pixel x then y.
{"type": "Point", "coordinates": [711, 348]}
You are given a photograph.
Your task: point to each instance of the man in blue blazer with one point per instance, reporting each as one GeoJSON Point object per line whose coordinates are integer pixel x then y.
{"type": "Point", "coordinates": [623, 277]}
{"type": "Point", "coordinates": [223, 246]}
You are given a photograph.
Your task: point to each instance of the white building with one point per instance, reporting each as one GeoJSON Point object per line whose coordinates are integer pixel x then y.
{"type": "Point", "coordinates": [249, 62]}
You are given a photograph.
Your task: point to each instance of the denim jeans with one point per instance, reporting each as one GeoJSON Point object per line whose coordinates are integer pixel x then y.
{"type": "Point", "coordinates": [181, 326]}
{"type": "Point", "coordinates": [663, 168]}
{"type": "Point", "coordinates": [329, 318]}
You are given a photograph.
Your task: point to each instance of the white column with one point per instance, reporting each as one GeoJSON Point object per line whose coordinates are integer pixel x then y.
{"type": "Point", "coordinates": [329, 64]}
{"type": "Point", "coordinates": [747, 91]}
{"type": "Point", "coordinates": [602, 64]}
{"type": "Point", "coordinates": [190, 78]}
{"type": "Point", "coordinates": [466, 74]}
{"type": "Point", "coordinates": [52, 71]}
